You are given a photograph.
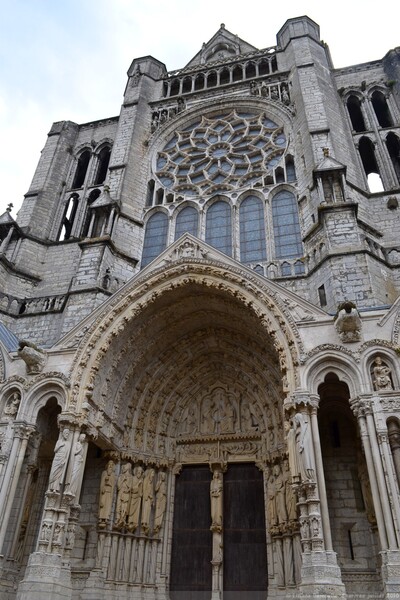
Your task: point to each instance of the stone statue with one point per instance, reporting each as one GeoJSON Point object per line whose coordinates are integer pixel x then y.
{"type": "Point", "coordinates": [348, 322]}
{"type": "Point", "coordinates": [12, 406]}
{"type": "Point", "coordinates": [228, 417]}
{"type": "Point", "coordinates": [161, 501]}
{"type": "Point", "coordinates": [366, 488]}
{"type": "Point", "coordinates": [148, 499]}
{"type": "Point", "coordinates": [216, 502]}
{"type": "Point", "coordinates": [290, 497]}
{"type": "Point", "coordinates": [136, 499]}
{"type": "Point", "coordinates": [271, 505]}
{"type": "Point", "coordinates": [300, 448]}
{"type": "Point", "coordinates": [60, 460]}
{"type": "Point", "coordinates": [107, 485]}
{"type": "Point", "coordinates": [33, 356]}
{"type": "Point", "coordinates": [280, 504]}
{"type": "Point", "coordinates": [381, 375]}
{"type": "Point", "coordinates": [191, 425]}
{"type": "Point", "coordinates": [78, 458]}
{"type": "Point", "coordinates": [124, 485]}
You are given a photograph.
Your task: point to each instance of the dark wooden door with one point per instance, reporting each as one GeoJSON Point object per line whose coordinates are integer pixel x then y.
{"type": "Point", "coordinates": [245, 552]}
{"type": "Point", "coordinates": [192, 539]}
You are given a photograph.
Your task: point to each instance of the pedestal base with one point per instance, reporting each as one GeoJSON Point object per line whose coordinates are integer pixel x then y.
{"type": "Point", "coordinates": [45, 579]}
{"type": "Point", "coordinates": [391, 574]}
{"type": "Point", "coordinates": [321, 577]}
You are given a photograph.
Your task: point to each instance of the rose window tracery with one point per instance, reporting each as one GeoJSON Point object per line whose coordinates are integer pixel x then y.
{"type": "Point", "coordinates": [228, 151]}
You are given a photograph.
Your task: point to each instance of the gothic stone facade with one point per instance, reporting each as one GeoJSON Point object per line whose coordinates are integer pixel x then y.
{"type": "Point", "coordinates": [199, 356]}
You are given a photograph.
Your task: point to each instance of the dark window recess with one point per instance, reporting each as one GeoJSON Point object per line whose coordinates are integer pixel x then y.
{"type": "Point", "coordinates": [393, 146]}
{"type": "Point", "coordinates": [322, 295]}
{"type": "Point", "coordinates": [81, 170]}
{"type": "Point", "coordinates": [367, 153]}
{"type": "Point", "coordinates": [68, 218]}
{"type": "Point", "coordinates": [335, 434]}
{"type": "Point", "coordinates": [356, 116]}
{"type": "Point", "coordinates": [102, 166]}
{"type": "Point", "coordinates": [381, 109]}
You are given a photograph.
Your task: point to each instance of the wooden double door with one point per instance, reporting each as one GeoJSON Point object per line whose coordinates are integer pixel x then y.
{"type": "Point", "coordinates": [244, 564]}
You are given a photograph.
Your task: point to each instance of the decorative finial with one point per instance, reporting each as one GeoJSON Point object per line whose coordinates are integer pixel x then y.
{"type": "Point", "coordinates": [10, 207]}
{"type": "Point", "coordinates": [325, 151]}
{"type": "Point", "coordinates": [222, 25]}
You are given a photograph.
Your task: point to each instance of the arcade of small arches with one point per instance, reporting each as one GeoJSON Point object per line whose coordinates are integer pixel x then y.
{"type": "Point", "coordinates": [214, 77]}
{"type": "Point", "coordinates": [370, 112]}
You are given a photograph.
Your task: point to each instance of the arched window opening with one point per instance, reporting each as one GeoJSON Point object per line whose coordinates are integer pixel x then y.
{"type": "Point", "coordinates": [224, 76]}
{"type": "Point", "coordinates": [102, 165]}
{"type": "Point", "coordinates": [165, 89]}
{"type": "Point", "coordinates": [187, 222]}
{"type": "Point", "coordinates": [381, 109]}
{"type": "Point", "coordinates": [290, 169]}
{"type": "Point", "coordinates": [150, 193]}
{"type": "Point", "coordinates": [155, 237]}
{"type": "Point", "coordinates": [170, 198]}
{"type": "Point", "coordinates": [279, 175]}
{"type": "Point", "coordinates": [199, 82]}
{"type": "Point", "coordinates": [175, 87]}
{"type": "Point", "coordinates": [263, 67]}
{"type": "Point", "coordinates": [274, 64]}
{"type": "Point", "coordinates": [187, 85]}
{"type": "Point", "coordinates": [367, 153]}
{"type": "Point", "coordinates": [299, 267]}
{"type": "Point", "coordinates": [81, 170]}
{"type": "Point", "coordinates": [250, 70]}
{"type": "Point", "coordinates": [393, 146]}
{"type": "Point", "coordinates": [219, 227]}
{"type": "Point", "coordinates": [252, 230]}
{"type": "Point", "coordinates": [286, 225]}
{"type": "Point", "coordinates": [355, 113]}
{"type": "Point", "coordinates": [68, 218]}
{"type": "Point", "coordinates": [212, 79]}
{"type": "Point", "coordinates": [160, 196]}
{"type": "Point", "coordinates": [237, 74]}
{"type": "Point", "coordinates": [286, 269]}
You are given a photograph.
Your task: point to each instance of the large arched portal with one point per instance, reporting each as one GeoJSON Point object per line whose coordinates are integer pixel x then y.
{"type": "Point", "coordinates": [190, 391]}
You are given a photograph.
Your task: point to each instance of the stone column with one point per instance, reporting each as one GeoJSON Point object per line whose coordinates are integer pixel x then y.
{"type": "Point", "coordinates": [394, 441]}
{"type": "Point", "coordinates": [21, 431]}
{"type": "Point", "coordinates": [319, 563]}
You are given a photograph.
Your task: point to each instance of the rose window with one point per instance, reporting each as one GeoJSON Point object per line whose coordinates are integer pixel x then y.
{"type": "Point", "coordinates": [227, 151]}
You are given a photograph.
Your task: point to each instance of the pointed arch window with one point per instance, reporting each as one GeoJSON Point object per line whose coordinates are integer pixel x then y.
{"type": "Point", "coordinates": [155, 238]}
{"type": "Point", "coordinates": [367, 153]}
{"type": "Point", "coordinates": [68, 219]}
{"type": "Point", "coordinates": [381, 109]}
{"type": "Point", "coordinates": [252, 230]}
{"type": "Point", "coordinates": [219, 227]}
{"type": "Point", "coordinates": [285, 219]}
{"type": "Point", "coordinates": [187, 222]}
{"type": "Point", "coordinates": [81, 169]}
{"type": "Point", "coordinates": [355, 112]}
{"type": "Point", "coordinates": [102, 165]}
{"type": "Point", "coordinates": [393, 146]}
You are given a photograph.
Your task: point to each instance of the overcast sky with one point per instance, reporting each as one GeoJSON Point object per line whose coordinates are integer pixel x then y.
{"type": "Point", "coordinates": [67, 59]}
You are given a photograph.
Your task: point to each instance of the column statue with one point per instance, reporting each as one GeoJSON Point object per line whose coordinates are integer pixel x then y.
{"type": "Point", "coordinates": [60, 460]}
{"type": "Point", "coordinates": [216, 501]}
{"type": "Point", "coordinates": [148, 499]}
{"type": "Point", "coordinates": [107, 485]}
{"type": "Point", "coordinates": [161, 501]}
{"type": "Point", "coordinates": [136, 499]}
{"type": "Point", "coordinates": [78, 457]}
{"type": "Point", "coordinates": [124, 485]}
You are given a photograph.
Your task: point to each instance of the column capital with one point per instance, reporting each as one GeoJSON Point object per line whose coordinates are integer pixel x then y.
{"type": "Point", "coordinates": [301, 401]}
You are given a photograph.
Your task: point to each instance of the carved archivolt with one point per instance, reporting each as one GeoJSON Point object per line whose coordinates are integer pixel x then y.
{"type": "Point", "coordinates": [134, 323]}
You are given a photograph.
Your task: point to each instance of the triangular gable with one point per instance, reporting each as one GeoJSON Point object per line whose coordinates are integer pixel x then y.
{"type": "Point", "coordinates": [223, 45]}
{"type": "Point", "coordinates": [190, 248]}
{"type": "Point", "coordinates": [328, 163]}
{"type": "Point", "coordinates": [6, 219]}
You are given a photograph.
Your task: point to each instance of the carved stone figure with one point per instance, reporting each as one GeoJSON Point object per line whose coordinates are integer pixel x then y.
{"type": "Point", "coordinates": [107, 485]}
{"type": "Point", "coordinates": [348, 322]}
{"type": "Point", "coordinates": [290, 497]}
{"type": "Point", "coordinates": [61, 452]}
{"type": "Point", "coordinates": [216, 501]}
{"type": "Point", "coordinates": [12, 405]}
{"type": "Point", "coordinates": [271, 505]}
{"type": "Point", "coordinates": [190, 425]}
{"type": "Point", "coordinates": [280, 504]}
{"type": "Point", "coordinates": [381, 375]}
{"type": "Point", "coordinates": [161, 501]}
{"type": "Point", "coordinates": [300, 448]}
{"type": "Point", "coordinates": [366, 489]}
{"type": "Point", "coordinates": [228, 417]}
{"type": "Point", "coordinates": [33, 356]}
{"type": "Point", "coordinates": [208, 416]}
{"type": "Point", "coordinates": [124, 485]}
{"type": "Point", "coordinates": [249, 418]}
{"type": "Point", "coordinates": [148, 499]}
{"type": "Point", "coordinates": [136, 499]}
{"type": "Point", "coordinates": [78, 458]}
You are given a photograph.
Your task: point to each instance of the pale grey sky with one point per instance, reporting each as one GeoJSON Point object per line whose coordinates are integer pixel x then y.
{"type": "Point", "coordinates": [68, 60]}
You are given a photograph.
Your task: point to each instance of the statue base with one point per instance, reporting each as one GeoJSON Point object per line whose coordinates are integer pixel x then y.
{"type": "Point", "coordinates": [321, 576]}
{"type": "Point", "coordinates": [46, 578]}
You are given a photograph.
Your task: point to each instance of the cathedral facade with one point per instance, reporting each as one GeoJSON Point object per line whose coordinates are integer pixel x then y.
{"type": "Point", "coordinates": [199, 337]}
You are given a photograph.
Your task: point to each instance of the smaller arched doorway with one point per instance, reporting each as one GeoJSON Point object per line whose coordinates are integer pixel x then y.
{"type": "Point", "coordinates": [350, 503]}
